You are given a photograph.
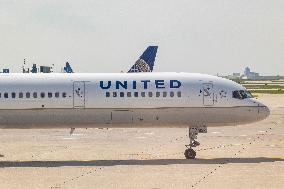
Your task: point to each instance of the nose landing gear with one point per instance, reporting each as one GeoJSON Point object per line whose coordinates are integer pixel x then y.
{"type": "Point", "coordinates": [189, 153]}
{"type": "Point", "coordinates": [192, 134]}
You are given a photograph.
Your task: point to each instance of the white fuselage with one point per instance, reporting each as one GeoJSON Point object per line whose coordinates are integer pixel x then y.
{"type": "Point", "coordinates": [123, 100]}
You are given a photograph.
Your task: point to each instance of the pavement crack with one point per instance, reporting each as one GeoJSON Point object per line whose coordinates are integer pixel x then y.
{"type": "Point", "coordinates": [227, 161]}
{"type": "Point", "coordinates": [73, 179]}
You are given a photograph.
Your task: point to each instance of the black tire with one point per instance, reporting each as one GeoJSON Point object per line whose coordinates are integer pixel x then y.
{"type": "Point", "coordinates": [189, 154]}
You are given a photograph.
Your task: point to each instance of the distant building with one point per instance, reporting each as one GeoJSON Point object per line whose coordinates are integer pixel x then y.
{"type": "Point", "coordinates": [35, 69]}
{"type": "Point", "coordinates": [247, 71]}
{"type": "Point", "coordinates": [236, 74]}
{"type": "Point", "coordinates": [45, 69]}
{"type": "Point", "coordinates": [268, 78]}
{"type": "Point", "coordinates": [256, 76]}
{"type": "Point", "coordinates": [248, 74]}
{"type": "Point", "coordinates": [6, 71]}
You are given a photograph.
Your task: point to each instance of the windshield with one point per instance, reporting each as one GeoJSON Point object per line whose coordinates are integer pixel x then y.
{"type": "Point", "coordinates": [242, 94]}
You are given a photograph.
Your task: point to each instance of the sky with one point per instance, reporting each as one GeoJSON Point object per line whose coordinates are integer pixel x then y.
{"type": "Point", "coordinates": [203, 36]}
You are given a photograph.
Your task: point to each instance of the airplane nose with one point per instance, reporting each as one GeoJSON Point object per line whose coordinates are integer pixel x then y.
{"type": "Point", "coordinates": [264, 112]}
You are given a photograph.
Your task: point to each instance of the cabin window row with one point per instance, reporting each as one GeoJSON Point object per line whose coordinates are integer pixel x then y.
{"type": "Point", "coordinates": [33, 95]}
{"type": "Point", "coordinates": [144, 94]}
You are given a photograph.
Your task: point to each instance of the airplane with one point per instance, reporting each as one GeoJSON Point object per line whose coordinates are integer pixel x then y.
{"type": "Point", "coordinates": [68, 68]}
{"type": "Point", "coordinates": [122, 100]}
{"type": "Point", "coordinates": [145, 63]}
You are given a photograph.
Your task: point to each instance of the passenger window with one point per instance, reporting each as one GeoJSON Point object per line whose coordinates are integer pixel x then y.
{"type": "Point", "coordinates": [64, 95]}
{"type": "Point", "coordinates": [13, 95]}
{"type": "Point", "coordinates": [21, 95]}
{"type": "Point", "coordinates": [179, 94]}
{"type": "Point", "coordinates": [114, 94]}
{"type": "Point", "coordinates": [28, 95]}
{"type": "Point", "coordinates": [49, 95]}
{"type": "Point", "coordinates": [128, 94]}
{"type": "Point", "coordinates": [121, 94]}
{"type": "Point", "coordinates": [164, 94]}
{"type": "Point", "coordinates": [157, 94]}
{"type": "Point", "coordinates": [35, 94]}
{"type": "Point", "coordinates": [42, 95]}
{"type": "Point", "coordinates": [143, 94]}
{"type": "Point", "coordinates": [57, 94]}
{"type": "Point", "coordinates": [135, 94]}
{"type": "Point", "coordinates": [107, 94]}
{"type": "Point", "coordinates": [172, 94]}
{"type": "Point", "coordinates": [150, 94]}
{"type": "Point", "coordinates": [6, 95]}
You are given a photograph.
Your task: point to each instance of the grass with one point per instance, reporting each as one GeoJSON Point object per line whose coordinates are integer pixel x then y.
{"type": "Point", "coordinates": [263, 86]}
{"type": "Point", "coordinates": [267, 91]}
{"type": "Point", "coordinates": [277, 81]}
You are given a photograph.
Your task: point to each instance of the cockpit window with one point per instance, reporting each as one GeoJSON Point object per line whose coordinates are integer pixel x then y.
{"type": "Point", "coordinates": [246, 94]}
{"type": "Point", "coordinates": [242, 94]}
{"type": "Point", "coordinates": [237, 95]}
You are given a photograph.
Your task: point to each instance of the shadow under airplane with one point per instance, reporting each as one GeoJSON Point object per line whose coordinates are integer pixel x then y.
{"type": "Point", "coordinates": [153, 162]}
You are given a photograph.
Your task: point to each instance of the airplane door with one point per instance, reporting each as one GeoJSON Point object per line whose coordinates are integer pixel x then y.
{"type": "Point", "coordinates": [208, 94]}
{"type": "Point", "coordinates": [79, 94]}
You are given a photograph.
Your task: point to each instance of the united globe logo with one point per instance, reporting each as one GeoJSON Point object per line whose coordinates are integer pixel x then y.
{"type": "Point", "coordinates": [141, 66]}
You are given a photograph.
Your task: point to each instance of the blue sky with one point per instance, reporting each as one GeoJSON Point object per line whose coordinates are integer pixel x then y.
{"type": "Point", "coordinates": [205, 36]}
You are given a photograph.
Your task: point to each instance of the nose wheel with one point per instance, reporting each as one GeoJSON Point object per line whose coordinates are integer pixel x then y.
{"type": "Point", "coordinates": [189, 153]}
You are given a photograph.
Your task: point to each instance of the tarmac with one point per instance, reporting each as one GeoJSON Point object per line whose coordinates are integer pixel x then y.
{"type": "Point", "coordinates": [247, 156]}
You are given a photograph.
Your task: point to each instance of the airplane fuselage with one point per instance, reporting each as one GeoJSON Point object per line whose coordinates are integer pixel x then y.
{"type": "Point", "coordinates": [123, 100]}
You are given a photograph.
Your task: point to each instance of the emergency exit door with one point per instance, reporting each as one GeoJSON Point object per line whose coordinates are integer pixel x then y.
{"type": "Point", "coordinates": [79, 94]}
{"type": "Point", "coordinates": [208, 94]}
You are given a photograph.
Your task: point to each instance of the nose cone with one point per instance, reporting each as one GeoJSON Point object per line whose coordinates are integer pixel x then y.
{"type": "Point", "coordinates": [264, 112]}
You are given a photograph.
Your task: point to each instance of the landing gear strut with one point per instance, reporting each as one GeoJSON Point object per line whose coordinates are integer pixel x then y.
{"type": "Point", "coordinates": [192, 134]}
{"type": "Point", "coordinates": [72, 131]}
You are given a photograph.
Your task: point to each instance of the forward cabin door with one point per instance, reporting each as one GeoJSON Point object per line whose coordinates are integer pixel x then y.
{"type": "Point", "coordinates": [208, 94]}
{"type": "Point", "coordinates": [79, 94]}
